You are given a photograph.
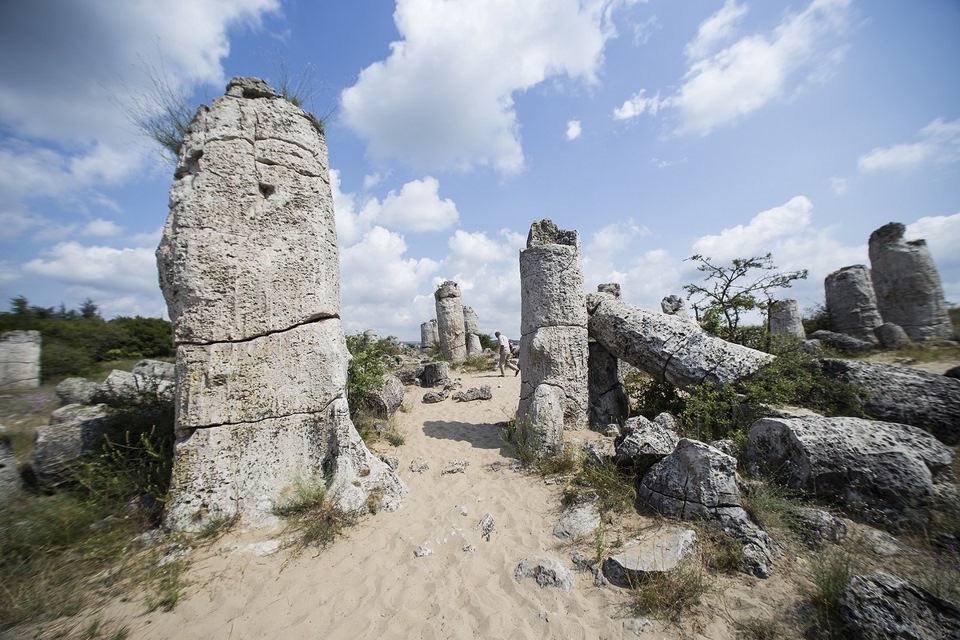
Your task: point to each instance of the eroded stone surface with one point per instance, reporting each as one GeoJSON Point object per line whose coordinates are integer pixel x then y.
{"type": "Point", "coordinates": [852, 303]}
{"type": "Point", "coordinates": [20, 360]}
{"type": "Point", "coordinates": [785, 319]}
{"type": "Point", "coordinates": [450, 326]}
{"type": "Point", "coordinates": [662, 550]}
{"type": "Point", "coordinates": [880, 605]}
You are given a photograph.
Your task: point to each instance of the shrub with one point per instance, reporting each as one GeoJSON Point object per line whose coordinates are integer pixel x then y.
{"type": "Point", "coordinates": [614, 490]}
{"type": "Point", "coordinates": [366, 369]}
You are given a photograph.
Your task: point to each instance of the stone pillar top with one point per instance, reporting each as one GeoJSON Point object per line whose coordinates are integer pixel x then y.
{"type": "Point", "coordinates": [546, 232]}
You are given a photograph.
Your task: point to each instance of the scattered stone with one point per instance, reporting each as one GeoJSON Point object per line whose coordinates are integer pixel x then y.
{"type": "Point", "coordinates": [74, 430]}
{"type": "Point", "coordinates": [422, 551]}
{"type": "Point", "coordinates": [660, 551]}
{"type": "Point", "coordinates": [577, 522]}
{"type": "Point", "coordinates": [462, 510]}
{"type": "Point", "coordinates": [435, 374]}
{"type": "Point", "coordinates": [433, 397]}
{"type": "Point", "coordinates": [842, 341]}
{"type": "Point", "coordinates": [123, 389]}
{"type": "Point", "coordinates": [907, 285]}
{"type": "Point", "coordinates": [474, 393]}
{"type": "Point", "coordinates": [884, 472]}
{"type": "Point", "coordinates": [880, 605]}
{"type": "Point", "coordinates": [391, 461]}
{"type": "Point", "coordinates": [904, 395]}
{"type": "Point", "coordinates": [469, 548]}
{"type": "Point", "coordinates": [892, 336]}
{"type": "Point", "coordinates": [673, 305]}
{"type": "Point", "coordinates": [599, 452]}
{"type": "Point", "coordinates": [637, 626]}
{"type": "Point", "coordinates": [487, 525]}
{"type": "Point", "coordinates": [419, 465]}
{"type": "Point", "coordinates": [384, 400]}
{"type": "Point", "coordinates": [546, 571]}
{"type": "Point", "coordinates": [817, 526]}
{"type": "Point", "coordinates": [456, 466]}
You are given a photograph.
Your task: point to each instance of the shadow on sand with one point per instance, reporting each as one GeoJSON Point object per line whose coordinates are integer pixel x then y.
{"type": "Point", "coordinates": [481, 436]}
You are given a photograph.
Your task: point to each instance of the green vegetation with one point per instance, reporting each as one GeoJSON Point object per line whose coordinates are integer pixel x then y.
{"type": "Point", "coordinates": [830, 573]}
{"type": "Point", "coordinates": [614, 491]}
{"type": "Point", "coordinates": [73, 342]}
{"type": "Point", "coordinates": [729, 292]}
{"type": "Point", "coordinates": [521, 438]}
{"type": "Point", "coordinates": [366, 369]}
{"type": "Point", "coordinates": [315, 519]}
{"type": "Point", "coordinates": [477, 362]}
{"type": "Point", "coordinates": [671, 594]}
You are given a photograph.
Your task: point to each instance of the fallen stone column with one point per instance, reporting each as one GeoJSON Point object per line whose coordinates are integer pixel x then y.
{"type": "Point", "coordinates": [668, 347]}
{"type": "Point", "coordinates": [908, 287]}
{"type": "Point", "coordinates": [450, 326]}
{"type": "Point", "coordinates": [249, 268]}
{"type": "Point", "coordinates": [553, 344]}
{"type": "Point", "coordinates": [851, 302]}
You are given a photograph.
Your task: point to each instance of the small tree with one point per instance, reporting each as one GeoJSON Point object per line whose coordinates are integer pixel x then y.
{"type": "Point", "coordinates": [730, 291]}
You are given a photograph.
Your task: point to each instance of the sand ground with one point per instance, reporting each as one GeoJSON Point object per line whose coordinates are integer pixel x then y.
{"type": "Point", "coordinates": [370, 584]}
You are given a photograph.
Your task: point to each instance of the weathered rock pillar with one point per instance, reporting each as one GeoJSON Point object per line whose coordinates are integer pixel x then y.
{"type": "Point", "coordinates": [428, 334]}
{"type": "Point", "coordinates": [608, 401]}
{"type": "Point", "coordinates": [908, 287]}
{"type": "Point", "coordinates": [20, 360]}
{"type": "Point", "coordinates": [471, 325]}
{"type": "Point", "coordinates": [452, 332]}
{"type": "Point", "coordinates": [553, 344]}
{"type": "Point", "coordinates": [784, 319]}
{"type": "Point", "coordinates": [249, 268]}
{"type": "Point", "coordinates": [851, 302]}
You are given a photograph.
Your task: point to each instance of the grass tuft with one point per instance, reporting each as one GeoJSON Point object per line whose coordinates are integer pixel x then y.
{"type": "Point", "coordinates": [312, 516]}
{"type": "Point", "coordinates": [830, 573]}
{"type": "Point", "coordinates": [670, 595]}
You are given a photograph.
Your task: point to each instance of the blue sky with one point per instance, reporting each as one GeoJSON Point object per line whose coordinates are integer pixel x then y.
{"type": "Point", "coordinates": [657, 129]}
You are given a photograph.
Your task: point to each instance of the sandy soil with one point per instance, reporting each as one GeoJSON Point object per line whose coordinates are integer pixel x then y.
{"type": "Point", "coordinates": [370, 583]}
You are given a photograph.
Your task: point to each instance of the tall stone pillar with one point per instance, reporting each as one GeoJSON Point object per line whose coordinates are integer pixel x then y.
{"type": "Point", "coordinates": [784, 319]}
{"type": "Point", "coordinates": [908, 287]}
{"type": "Point", "coordinates": [851, 302]}
{"type": "Point", "coordinates": [20, 360]}
{"type": "Point", "coordinates": [471, 325]}
{"type": "Point", "coordinates": [428, 334]}
{"type": "Point", "coordinates": [553, 342]}
{"type": "Point", "coordinates": [609, 403]}
{"type": "Point", "coordinates": [249, 268]}
{"type": "Point", "coordinates": [450, 326]}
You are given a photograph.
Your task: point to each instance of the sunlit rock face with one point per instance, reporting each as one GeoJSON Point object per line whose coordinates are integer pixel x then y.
{"type": "Point", "coordinates": [249, 268]}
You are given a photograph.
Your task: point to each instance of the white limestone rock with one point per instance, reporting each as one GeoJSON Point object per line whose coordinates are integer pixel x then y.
{"type": "Point", "coordinates": [851, 302]}
{"type": "Point", "coordinates": [20, 360]}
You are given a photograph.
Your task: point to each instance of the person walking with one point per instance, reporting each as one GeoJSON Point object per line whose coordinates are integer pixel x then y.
{"type": "Point", "coordinates": [504, 354]}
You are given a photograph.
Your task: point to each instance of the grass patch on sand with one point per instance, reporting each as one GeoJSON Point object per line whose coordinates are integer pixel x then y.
{"type": "Point", "coordinates": [311, 515]}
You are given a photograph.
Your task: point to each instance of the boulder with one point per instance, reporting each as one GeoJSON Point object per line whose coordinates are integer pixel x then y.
{"type": "Point", "coordinates": [881, 471]}
{"type": "Point", "coordinates": [474, 393]}
{"type": "Point", "coordinates": [435, 374]}
{"type": "Point", "coordinates": [668, 347]}
{"type": "Point", "coordinates": [907, 285]}
{"type": "Point", "coordinates": [892, 336]}
{"type": "Point", "coordinates": [545, 571]}
{"type": "Point", "coordinates": [842, 341]}
{"type": "Point", "coordinates": [662, 550]}
{"type": "Point", "coordinates": [433, 397]}
{"type": "Point", "coordinates": [817, 526]}
{"type": "Point", "coordinates": [74, 431]}
{"type": "Point", "coordinates": [577, 522]}
{"type": "Point", "coordinates": [386, 398]}
{"type": "Point", "coordinates": [903, 395]}
{"type": "Point", "coordinates": [697, 482]}
{"type": "Point", "coordinates": [644, 444]}
{"type": "Point", "coordinates": [851, 303]}
{"type": "Point", "coordinates": [673, 305]}
{"type": "Point", "coordinates": [879, 605]}
{"type": "Point", "coordinates": [77, 390]}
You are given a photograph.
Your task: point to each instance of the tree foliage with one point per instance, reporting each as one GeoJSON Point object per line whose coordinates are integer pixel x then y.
{"type": "Point", "coordinates": [731, 291]}
{"type": "Point", "coordinates": [73, 341]}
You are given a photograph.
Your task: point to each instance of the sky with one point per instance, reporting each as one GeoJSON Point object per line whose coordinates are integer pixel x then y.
{"type": "Point", "coordinates": [657, 129]}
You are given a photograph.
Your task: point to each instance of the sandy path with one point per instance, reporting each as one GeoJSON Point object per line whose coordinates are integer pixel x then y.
{"type": "Point", "coordinates": [370, 584]}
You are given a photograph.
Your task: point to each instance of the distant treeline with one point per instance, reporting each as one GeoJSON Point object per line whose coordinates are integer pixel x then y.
{"type": "Point", "coordinates": [75, 340]}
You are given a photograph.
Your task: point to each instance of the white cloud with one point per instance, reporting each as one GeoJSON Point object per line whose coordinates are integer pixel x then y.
{"type": "Point", "coordinates": [453, 75]}
{"type": "Point", "coordinates": [643, 31]}
{"type": "Point", "coordinates": [129, 269]}
{"type": "Point", "coordinates": [13, 224]}
{"type": "Point", "coordinates": [573, 129]}
{"type": "Point", "coordinates": [715, 30]}
{"type": "Point", "coordinates": [418, 207]}
{"type": "Point", "coordinates": [939, 143]}
{"type": "Point", "coordinates": [721, 87]}
{"type": "Point", "coordinates": [9, 272]}
{"type": "Point", "coordinates": [102, 228]}
{"type": "Point", "coordinates": [637, 105]}
{"type": "Point", "coordinates": [663, 164]}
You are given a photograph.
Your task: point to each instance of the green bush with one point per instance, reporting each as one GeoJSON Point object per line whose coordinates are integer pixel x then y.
{"type": "Point", "coordinates": [366, 369]}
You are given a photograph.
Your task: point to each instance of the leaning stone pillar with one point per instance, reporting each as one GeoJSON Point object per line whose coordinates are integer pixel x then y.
{"type": "Point", "coordinates": [249, 268]}
{"type": "Point", "coordinates": [553, 344]}
{"type": "Point", "coordinates": [851, 302]}
{"type": "Point", "coordinates": [908, 287]}
{"type": "Point", "coordinates": [450, 326]}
